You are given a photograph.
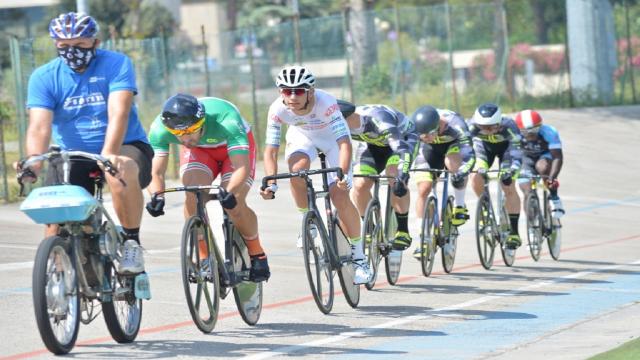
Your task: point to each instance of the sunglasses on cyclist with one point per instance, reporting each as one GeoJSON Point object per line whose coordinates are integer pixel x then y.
{"type": "Point", "coordinates": [291, 91]}
{"type": "Point", "coordinates": [188, 131]}
{"type": "Point", "coordinates": [531, 131]}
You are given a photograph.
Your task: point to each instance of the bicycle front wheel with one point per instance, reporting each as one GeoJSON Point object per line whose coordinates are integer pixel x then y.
{"type": "Point", "coordinates": [317, 262]}
{"type": "Point", "coordinates": [123, 314]}
{"type": "Point", "coordinates": [485, 232]}
{"type": "Point", "coordinates": [56, 300]}
{"type": "Point", "coordinates": [508, 255]}
{"type": "Point", "coordinates": [554, 237]}
{"type": "Point", "coordinates": [372, 236]}
{"type": "Point", "coordinates": [200, 276]}
{"type": "Point", "coordinates": [247, 294]}
{"type": "Point", "coordinates": [393, 260]}
{"type": "Point", "coordinates": [427, 237]}
{"type": "Point", "coordinates": [450, 235]}
{"type": "Point", "coordinates": [534, 224]}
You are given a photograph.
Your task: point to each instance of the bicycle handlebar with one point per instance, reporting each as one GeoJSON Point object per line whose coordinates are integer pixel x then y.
{"type": "Point", "coordinates": [24, 165]}
{"type": "Point", "coordinates": [374, 176]}
{"type": "Point", "coordinates": [193, 188]}
{"type": "Point", "coordinates": [302, 173]}
{"type": "Point", "coordinates": [439, 171]}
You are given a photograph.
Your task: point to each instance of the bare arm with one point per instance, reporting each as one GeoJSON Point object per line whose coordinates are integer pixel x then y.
{"type": "Point", "coordinates": [270, 160]}
{"type": "Point", "coordinates": [158, 169]}
{"type": "Point", "coordinates": [344, 159]}
{"type": "Point", "coordinates": [39, 132]}
{"type": "Point", "coordinates": [240, 173]}
{"type": "Point", "coordinates": [119, 106]}
{"type": "Point", "coordinates": [556, 163]}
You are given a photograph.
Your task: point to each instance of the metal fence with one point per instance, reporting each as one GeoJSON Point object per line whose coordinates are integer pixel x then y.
{"type": "Point", "coordinates": [452, 57]}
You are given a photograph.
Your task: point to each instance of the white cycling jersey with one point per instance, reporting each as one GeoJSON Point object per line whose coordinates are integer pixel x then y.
{"type": "Point", "coordinates": [320, 129]}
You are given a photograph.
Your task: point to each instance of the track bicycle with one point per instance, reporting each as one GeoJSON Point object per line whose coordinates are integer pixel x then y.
{"type": "Point", "coordinates": [331, 252]}
{"type": "Point", "coordinates": [437, 226]}
{"type": "Point", "coordinates": [492, 229]}
{"type": "Point", "coordinates": [378, 236]}
{"type": "Point", "coordinates": [207, 276]}
{"type": "Point", "coordinates": [540, 224]}
{"type": "Point", "coordinates": [74, 275]}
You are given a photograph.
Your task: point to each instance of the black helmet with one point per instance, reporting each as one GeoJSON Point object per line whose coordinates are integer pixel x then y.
{"type": "Point", "coordinates": [346, 108]}
{"type": "Point", "coordinates": [181, 111]}
{"type": "Point", "coordinates": [426, 119]}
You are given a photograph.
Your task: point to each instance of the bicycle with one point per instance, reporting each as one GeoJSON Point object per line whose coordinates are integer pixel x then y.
{"type": "Point", "coordinates": [378, 236]}
{"type": "Point", "coordinates": [540, 224]}
{"type": "Point", "coordinates": [437, 228]}
{"type": "Point", "coordinates": [75, 268]}
{"type": "Point", "coordinates": [332, 253]}
{"type": "Point", "coordinates": [199, 278]}
{"type": "Point", "coordinates": [490, 230]}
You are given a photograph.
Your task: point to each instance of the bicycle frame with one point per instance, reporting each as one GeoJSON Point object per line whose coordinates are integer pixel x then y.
{"type": "Point", "coordinates": [381, 180]}
{"type": "Point", "coordinates": [312, 196]}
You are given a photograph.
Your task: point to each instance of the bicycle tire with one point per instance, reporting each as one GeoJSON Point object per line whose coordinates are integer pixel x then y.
{"type": "Point", "coordinates": [428, 245]}
{"type": "Point", "coordinates": [450, 235]}
{"type": "Point", "coordinates": [485, 232]}
{"type": "Point", "coordinates": [534, 224]}
{"type": "Point", "coordinates": [372, 234]}
{"type": "Point", "coordinates": [508, 255]}
{"type": "Point", "coordinates": [122, 316]}
{"type": "Point", "coordinates": [346, 271]}
{"type": "Point", "coordinates": [206, 281]}
{"type": "Point", "coordinates": [554, 239]}
{"type": "Point", "coordinates": [317, 262]}
{"type": "Point", "coordinates": [247, 294]}
{"type": "Point", "coordinates": [44, 278]}
{"type": "Point", "coordinates": [393, 260]}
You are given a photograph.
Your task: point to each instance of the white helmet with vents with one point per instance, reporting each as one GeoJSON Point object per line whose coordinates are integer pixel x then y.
{"type": "Point", "coordinates": [295, 77]}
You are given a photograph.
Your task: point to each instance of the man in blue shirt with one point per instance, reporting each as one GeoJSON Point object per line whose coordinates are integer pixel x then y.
{"type": "Point", "coordinates": [84, 99]}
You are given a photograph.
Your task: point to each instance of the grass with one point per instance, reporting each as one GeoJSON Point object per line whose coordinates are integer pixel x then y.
{"type": "Point", "coordinates": [627, 351]}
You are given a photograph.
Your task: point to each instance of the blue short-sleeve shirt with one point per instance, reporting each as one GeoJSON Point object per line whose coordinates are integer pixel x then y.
{"type": "Point", "coordinates": [79, 101]}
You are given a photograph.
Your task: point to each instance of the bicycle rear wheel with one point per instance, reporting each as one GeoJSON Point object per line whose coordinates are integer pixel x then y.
{"type": "Point", "coordinates": [123, 314]}
{"type": "Point", "coordinates": [534, 224]}
{"type": "Point", "coordinates": [508, 255]}
{"type": "Point", "coordinates": [393, 260]}
{"type": "Point", "coordinates": [554, 237]}
{"type": "Point", "coordinates": [372, 234]}
{"type": "Point", "coordinates": [317, 262]}
{"type": "Point", "coordinates": [56, 299]}
{"type": "Point", "coordinates": [450, 235]}
{"type": "Point", "coordinates": [427, 237]}
{"type": "Point", "coordinates": [247, 294]}
{"type": "Point", "coordinates": [201, 281]}
{"type": "Point", "coordinates": [485, 232]}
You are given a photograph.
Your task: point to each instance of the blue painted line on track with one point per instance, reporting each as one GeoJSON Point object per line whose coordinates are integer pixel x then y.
{"type": "Point", "coordinates": [483, 332]}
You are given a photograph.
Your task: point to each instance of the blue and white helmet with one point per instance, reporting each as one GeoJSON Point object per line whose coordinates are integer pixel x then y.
{"type": "Point", "coordinates": [72, 26]}
{"type": "Point", "coordinates": [295, 77]}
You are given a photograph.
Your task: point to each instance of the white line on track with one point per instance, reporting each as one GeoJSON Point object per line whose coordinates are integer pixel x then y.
{"type": "Point", "coordinates": [287, 350]}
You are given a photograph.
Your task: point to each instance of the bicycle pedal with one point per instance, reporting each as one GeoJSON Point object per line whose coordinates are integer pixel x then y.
{"type": "Point", "coordinates": [142, 287]}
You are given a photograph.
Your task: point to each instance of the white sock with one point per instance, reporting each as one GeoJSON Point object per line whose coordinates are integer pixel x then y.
{"type": "Point", "coordinates": [459, 195]}
{"type": "Point", "coordinates": [357, 251]}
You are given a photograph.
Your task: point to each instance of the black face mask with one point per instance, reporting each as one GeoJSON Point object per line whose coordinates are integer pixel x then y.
{"type": "Point", "coordinates": [77, 58]}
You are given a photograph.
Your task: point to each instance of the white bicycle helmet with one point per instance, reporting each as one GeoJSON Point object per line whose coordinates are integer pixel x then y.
{"type": "Point", "coordinates": [487, 114]}
{"type": "Point", "coordinates": [72, 26]}
{"type": "Point", "coordinates": [295, 77]}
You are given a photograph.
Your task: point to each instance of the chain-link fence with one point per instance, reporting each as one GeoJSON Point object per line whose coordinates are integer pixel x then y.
{"type": "Point", "coordinates": [451, 57]}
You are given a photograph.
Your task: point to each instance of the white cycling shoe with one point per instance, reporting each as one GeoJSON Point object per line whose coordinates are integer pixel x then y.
{"type": "Point", "coordinates": [132, 261]}
{"type": "Point", "coordinates": [361, 272]}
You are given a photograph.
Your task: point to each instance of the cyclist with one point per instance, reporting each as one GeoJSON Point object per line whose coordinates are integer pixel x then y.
{"type": "Point", "coordinates": [386, 140]}
{"type": "Point", "coordinates": [494, 135]}
{"type": "Point", "coordinates": [84, 98]}
{"type": "Point", "coordinates": [215, 140]}
{"type": "Point", "coordinates": [542, 150]}
{"type": "Point", "coordinates": [314, 123]}
{"type": "Point", "coordinates": [446, 142]}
